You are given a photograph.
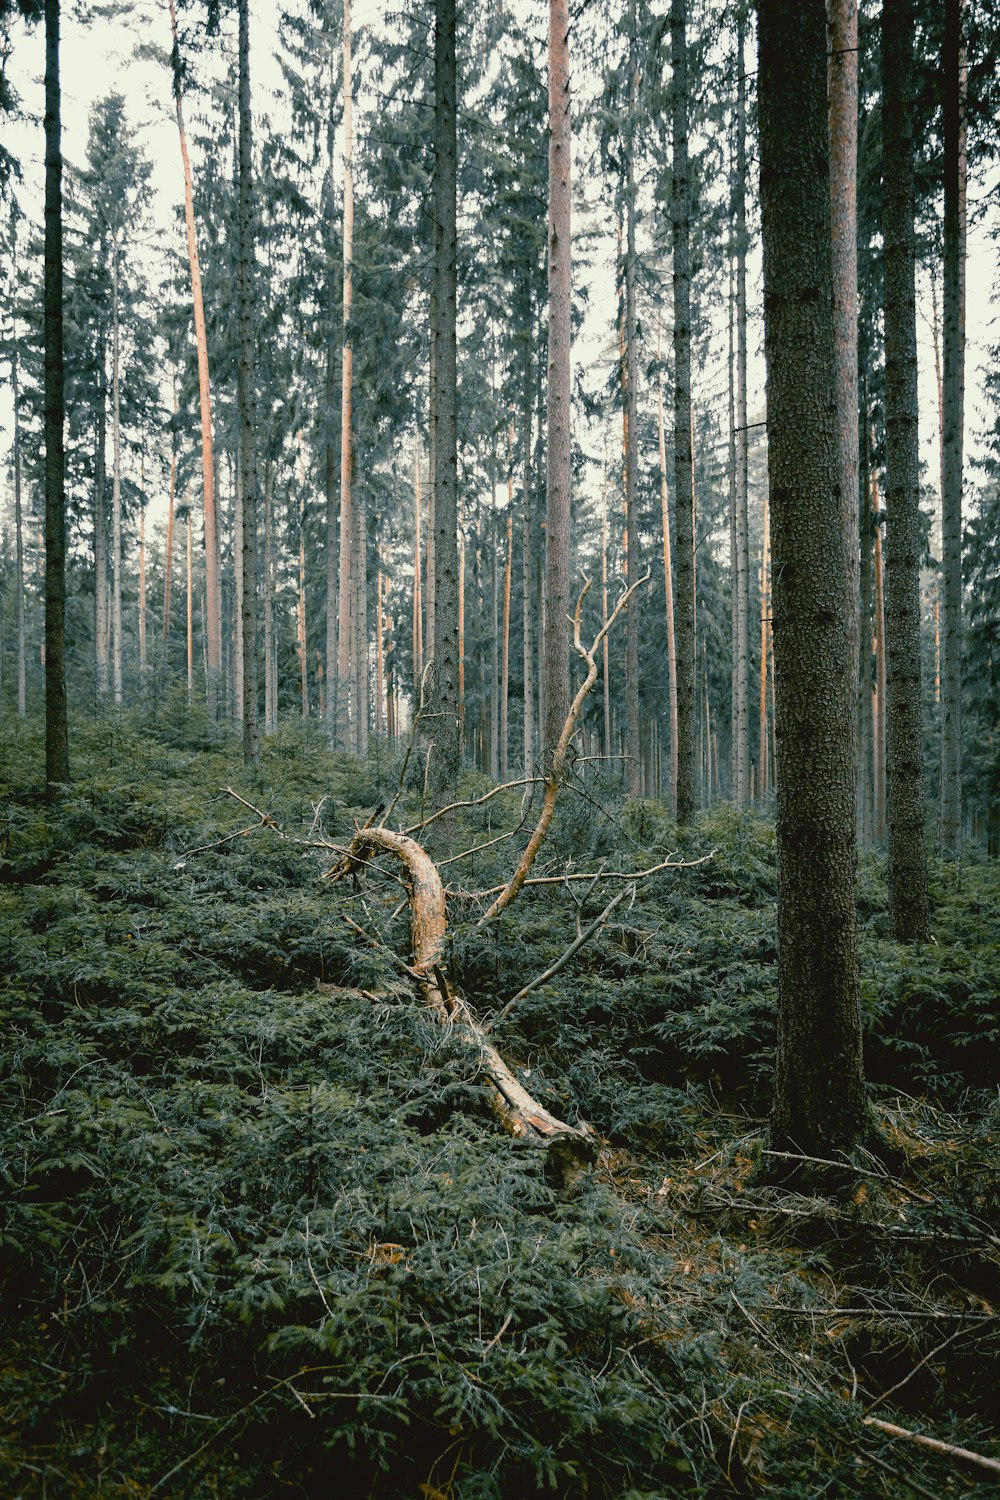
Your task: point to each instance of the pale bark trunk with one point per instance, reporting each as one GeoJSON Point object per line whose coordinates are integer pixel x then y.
{"type": "Point", "coordinates": [56, 717]}
{"type": "Point", "coordinates": [301, 630]}
{"type": "Point", "coordinates": [213, 598]}
{"type": "Point", "coordinates": [668, 584]}
{"type": "Point", "coordinates": [505, 631]}
{"type": "Point", "coordinates": [236, 470]}
{"type": "Point", "coordinates": [763, 779]}
{"type": "Point", "coordinates": [684, 626]}
{"type": "Point", "coordinates": [190, 608]}
{"type": "Point", "coordinates": [461, 631]}
{"type": "Point", "coordinates": [559, 476]}
{"type": "Point", "coordinates": [819, 1100]}
{"type": "Point", "coordinates": [143, 662]}
{"type": "Point", "coordinates": [116, 486]}
{"type": "Point", "coordinates": [349, 720]}
{"type": "Point", "coordinates": [878, 689]}
{"type": "Point", "coordinates": [330, 698]}
{"type": "Point", "coordinates": [359, 612]}
{"type": "Point", "coordinates": [953, 418]}
{"type": "Point", "coordinates": [168, 567]}
{"type": "Point", "coordinates": [379, 657]}
{"type": "Point", "coordinates": [605, 652]}
{"type": "Point", "coordinates": [908, 897]}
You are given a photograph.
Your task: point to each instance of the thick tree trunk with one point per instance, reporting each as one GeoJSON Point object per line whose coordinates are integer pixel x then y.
{"type": "Point", "coordinates": [213, 596]}
{"type": "Point", "coordinates": [247, 403]}
{"type": "Point", "coordinates": [444, 409]}
{"type": "Point", "coordinates": [953, 419]}
{"type": "Point", "coordinates": [684, 611]}
{"type": "Point", "coordinates": [559, 473]}
{"type": "Point", "coordinates": [348, 719]}
{"type": "Point", "coordinates": [818, 1106]}
{"type": "Point", "coordinates": [908, 899]}
{"type": "Point", "coordinates": [56, 717]}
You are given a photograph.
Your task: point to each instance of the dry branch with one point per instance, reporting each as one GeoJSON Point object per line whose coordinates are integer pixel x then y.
{"type": "Point", "coordinates": [594, 876]}
{"type": "Point", "coordinates": [950, 1450]}
{"type": "Point", "coordinates": [555, 772]}
{"type": "Point", "coordinates": [521, 1114]}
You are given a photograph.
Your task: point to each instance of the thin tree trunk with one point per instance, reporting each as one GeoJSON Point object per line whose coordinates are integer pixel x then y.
{"type": "Point", "coordinates": [22, 674]}
{"type": "Point", "coordinates": [908, 898]}
{"type": "Point", "coordinates": [631, 379]}
{"type": "Point", "coordinates": [461, 631]}
{"type": "Point", "coordinates": [606, 657]}
{"type": "Point", "coordinates": [213, 597]}
{"type": "Point", "coordinates": [865, 655]}
{"type": "Point", "coordinates": [247, 401]}
{"type": "Point", "coordinates": [359, 612]}
{"type": "Point", "coordinates": [527, 572]}
{"type": "Point", "coordinates": [346, 628]}
{"type": "Point", "coordinates": [505, 631]}
{"type": "Point", "coordinates": [270, 652]}
{"type": "Point", "coordinates": [668, 582]}
{"type": "Point", "coordinates": [953, 417]}
{"type": "Point", "coordinates": [116, 487]}
{"type": "Point", "coordinates": [741, 789]}
{"type": "Point", "coordinates": [819, 1101]}
{"type": "Point", "coordinates": [168, 567]}
{"type": "Point", "coordinates": [56, 718]}
{"type": "Point", "coordinates": [418, 608]}
{"type": "Point", "coordinates": [556, 604]}
{"type": "Point", "coordinates": [444, 413]}
{"type": "Point", "coordinates": [143, 662]}
{"type": "Point", "coordinates": [236, 471]}
{"type": "Point", "coordinates": [879, 686]}
{"type": "Point", "coordinates": [684, 627]}
{"type": "Point", "coordinates": [301, 631]}
{"type": "Point", "coordinates": [102, 592]}
{"type": "Point", "coordinates": [379, 657]}
{"type": "Point", "coordinates": [763, 779]}
{"type": "Point", "coordinates": [331, 702]}
{"type": "Point", "coordinates": [190, 608]}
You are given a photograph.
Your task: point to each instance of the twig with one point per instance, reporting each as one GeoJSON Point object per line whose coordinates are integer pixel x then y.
{"type": "Point", "coordinates": [508, 1320]}
{"type": "Point", "coordinates": [475, 802]}
{"type": "Point", "coordinates": [824, 1161]}
{"type": "Point", "coordinates": [558, 764]}
{"type": "Point", "coordinates": [880, 1463]}
{"type": "Point", "coordinates": [592, 875]}
{"type": "Point", "coordinates": [560, 963]}
{"type": "Point", "coordinates": [951, 1450]}
{"type": "Point", "coordinates": [501, 838]}
{"type": "Point", "coordinates": [880, 1400]}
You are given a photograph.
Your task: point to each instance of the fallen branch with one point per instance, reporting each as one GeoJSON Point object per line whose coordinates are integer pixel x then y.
{"type": "Point", "coordinates": [560, 963]}
{"type": "Point", "coordinates": [592, 875]}
{"type": "Point", "coordinates": [950, 1450]}
{"type": "Point", "coordinates": [522, 1115]}
{"type": "Point", "coordinates": [558, 765]}
{"type": "Point", "coordinates": [474, 802]}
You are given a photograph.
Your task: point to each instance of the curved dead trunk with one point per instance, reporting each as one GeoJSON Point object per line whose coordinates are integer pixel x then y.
{"type": "Point", "coordinates": [572, 1147]}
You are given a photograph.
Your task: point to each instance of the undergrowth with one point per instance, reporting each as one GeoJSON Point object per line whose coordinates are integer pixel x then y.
{"type": "Point", "coordinates": [263, 1238]}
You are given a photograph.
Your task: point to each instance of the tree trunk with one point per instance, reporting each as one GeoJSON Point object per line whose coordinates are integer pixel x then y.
{"type": "Point", "coordinates": [684, 626]}
{"type": "Point", "coordinates": [359, 614]}
{"type": "Point", "coordinates": [379, 657]}
{"type": "Point", "coordinates": [102, 593]}
{"type": "Point", "coordinates": [908, 899]}
{"type": "Point", "coordinates": [605, 652]}
{"type": "Point", "coordinates": [143, 662]}
{"type": "Point", "coordinates": [527, 572]}
{"type": "Point", "coordinates": [56, 718]}
{"type": "Point", "coordinates": [878, 687]}
{"type": "Point", "coordinates": [865, 825]}
{"type": "Point", "coordinates": [818, 1106]}
{"type": "Point", "coordinates": [632, 718]}
{"type": "Point", "coordinates": [190, 609]}
{"type": "Point", "coordinates": [444, 411]}
{"type": "Point", "coordinates": [348, 564]}
{"type": "Point", "coordinates": [270, 652]}
{"type": "Point", "coordinates": [168, 566]}
{"type": "Point", "coordinates": [301, 631]}
{"type": "Point", "coordinates": [213, 598]}
{"type": "Point", "coordinates": [741, 716]}
{"type": "Point", "coordinates": [668, 584]}
{"type": "Point", "coordinates": [555, 678]}
{"type": "Point", "coordinates": [247, 402]}
{"type": "Point", "coordinates": [331, 705]}
{"type": "Point", "coordinates": [763, 769]}
{"type": "Point", "coordinates": [116, 487]}
{"type": "Point", "coordinates": [418, 623]}
{"type": "Point", "coordinates": [22, 676]}
{"type": "Point", "coordinates": [505, 632]}
{"type": "Point", "coordinates": [953, 418]}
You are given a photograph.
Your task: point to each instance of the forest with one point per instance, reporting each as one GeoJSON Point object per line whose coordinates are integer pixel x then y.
{"type": "Point", "coordinates": [499, 676]}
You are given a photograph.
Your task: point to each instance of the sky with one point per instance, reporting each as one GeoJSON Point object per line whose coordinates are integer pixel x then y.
{"type": "Point", "coordinates": [106, 55]}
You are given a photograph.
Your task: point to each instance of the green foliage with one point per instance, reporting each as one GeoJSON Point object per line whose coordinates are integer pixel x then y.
{"type": "Point", "coordinates": [261, 1226]}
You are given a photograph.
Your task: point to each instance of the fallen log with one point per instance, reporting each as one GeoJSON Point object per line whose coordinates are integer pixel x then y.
{"type": "Point", "coordinates": [571, 1148]}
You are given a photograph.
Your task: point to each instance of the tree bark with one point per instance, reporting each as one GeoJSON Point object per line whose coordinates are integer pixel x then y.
{"type": "Point", "coordinates": [953, 417]}
{"type": "Point", "coordinates": [346, 625]}
{"type": "Point", "coordinates": [879, 685]}
{"type": "Point", "coordinates": [668, 585]}
{"type": "Point", "coordinates": [527, 572]}
{"type": "Point", "coordinates": [818, 1105]}
{"type": "Point", "coordinates": [213, 597]}
{"type": "Point", "coordinates": [22, 675]}
{"type": "Point", "coordinates": [270, 651]}
{"type": "Point", "coordinates": [247, 402]}
{"type": "Point", "coordinates": [559, 475]}
{"type": "Point", "coordinates": [116, 486]}
{"type": "Point", "coordinates": [143, 663]}
{"type": "Point", "coordinates": [418, 624]}
{"type": "Point", "coordinates": [684, 606]}
{"type": "Point", "coordinates": [331, 704]}
{"type": "Point", "coordinates": [168, 566]}
{"type": "Point", "coordinates": [908, 899]}
{"type": "Point", "coordinates": [444, 408]}
{"type": "Point", "coordinates": [190, 609]}
{"type": "Point", "coordinates": [56, 716]}
{"type": "Point", "coordinates": [630, 373]}
{"type": "Point", "coordinates": [505, 632]}
{"type": "Point", "coordinates": [102, 594]}
{"type": "Point", "coordinates": [741, 716]}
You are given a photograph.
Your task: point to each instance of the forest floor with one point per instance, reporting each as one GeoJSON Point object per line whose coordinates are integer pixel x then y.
{"type": "Point", "coordinates": [263, 1236]}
